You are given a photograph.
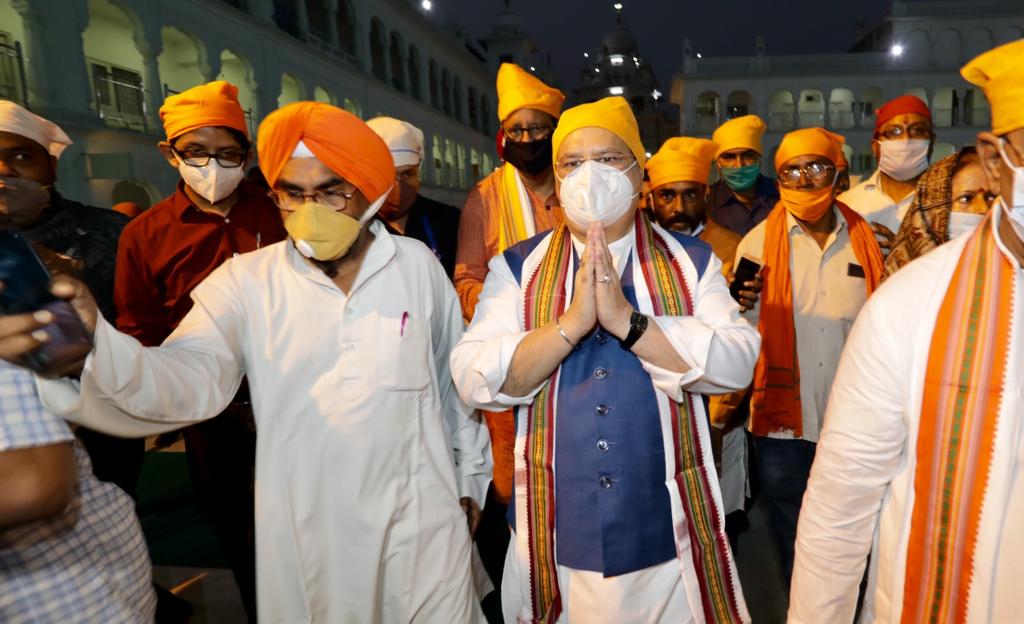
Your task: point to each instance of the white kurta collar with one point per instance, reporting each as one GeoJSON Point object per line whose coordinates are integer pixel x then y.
{"type": "Point", "coordinates": [382, 250]}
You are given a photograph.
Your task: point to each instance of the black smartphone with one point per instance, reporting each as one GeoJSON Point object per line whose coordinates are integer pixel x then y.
{"type": "Point", "coordinates": [27, 289]}
{"type": "Point", "coordinates": [746, 271]}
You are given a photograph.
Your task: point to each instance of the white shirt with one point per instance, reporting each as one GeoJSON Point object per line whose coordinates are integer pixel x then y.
{"type": "Point", "coordinates": [871, 202]}
{"type": "Point", "coordinates": [861, 490]}
{"type": "Point", "coordinates": [826, 301]}
{"type": "Point", "coordinates": [363, 446]}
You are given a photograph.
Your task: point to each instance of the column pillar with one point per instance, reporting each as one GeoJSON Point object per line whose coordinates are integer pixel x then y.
{"type": "Point", "coordinates": [40, 95]}
{"type": "Point", "coordinates": [153, 88]}
{"type": "Point", "coordinates": [332, 22]}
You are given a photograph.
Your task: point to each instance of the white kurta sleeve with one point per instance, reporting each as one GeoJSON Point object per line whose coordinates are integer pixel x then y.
{"type": "Point", "coordinates": [470, 440]}
{"type": "Point", "coordinates": [481, 360]}
{"type": "Point", "coordinates": [720, 347]}
{"type": "Point", "coordinates": [191, 377]}
{"type": "Point", "coordinates": [862, 447]}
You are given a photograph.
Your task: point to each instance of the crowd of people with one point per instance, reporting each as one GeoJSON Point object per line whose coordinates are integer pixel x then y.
{"type": "Point", "coordinates": [546, 406]}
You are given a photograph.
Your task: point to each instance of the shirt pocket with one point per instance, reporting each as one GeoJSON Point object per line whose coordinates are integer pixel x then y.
{"type": "Point", "coordinates": [404, 353]}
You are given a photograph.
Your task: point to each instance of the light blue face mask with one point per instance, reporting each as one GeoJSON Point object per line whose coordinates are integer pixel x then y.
{"type": "Point", "coordinates": [741, 178]}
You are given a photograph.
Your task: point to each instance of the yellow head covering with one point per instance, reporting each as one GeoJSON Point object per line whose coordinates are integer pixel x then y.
{"type": "Point", "coordinates": [681, 159]}
{"type": "Point", "coordinates": [518, 88]}
{"type": "Point", "coordinates": [211, 104]}
{"type": "Point", "coordinates": [613, 114]}
{"type": "Point", "coordinates": [740, 133]}
{"type": "Point", "coordinates": [810, 141]}
{"type": "Point", "coordinates": [1000, 72]}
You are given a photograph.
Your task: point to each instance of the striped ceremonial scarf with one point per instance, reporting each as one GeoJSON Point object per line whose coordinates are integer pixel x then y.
{"type": "Point", "coordinates": [515, 211]}
{"type": "Point", "coordinates": [696, 507]}
{"type": "Point", "coordinates": [963, 467]}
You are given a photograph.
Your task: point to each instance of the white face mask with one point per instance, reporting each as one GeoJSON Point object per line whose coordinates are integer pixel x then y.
{"type": "Point", "coordinates": [212, 182]}
{"type": "Point", "coordinates": [1016, 209]}
{"type": "Point", "coordinates": [596, 192]}
{"type": "Point", "coordinates": [963, 222]}
{"type": "Point", "coordinates": [903, 160]}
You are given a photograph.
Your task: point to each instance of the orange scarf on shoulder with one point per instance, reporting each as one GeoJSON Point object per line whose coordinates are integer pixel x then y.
{"type": "Point", "coordinates": [775, 404]}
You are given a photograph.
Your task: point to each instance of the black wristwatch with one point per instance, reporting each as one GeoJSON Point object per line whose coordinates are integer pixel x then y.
{"type": "Point", "coordinates": [637, 327]}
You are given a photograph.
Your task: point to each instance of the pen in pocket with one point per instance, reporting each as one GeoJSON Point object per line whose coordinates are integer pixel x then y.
{"type": "Point", "coordinates": [405, 319]}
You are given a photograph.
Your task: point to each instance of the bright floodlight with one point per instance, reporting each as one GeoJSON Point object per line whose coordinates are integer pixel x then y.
{"type": "Point", "coordinates": [699, 56]}
{"type": "Point", "coordinates": [615, 90]}
{"type": "Point", "coordinates": [586, 55]}
{"type": "Point", "coordinates": [618, 6]}
{"type": "Point", "coordinates": [427, 5]}
{"type": "Point", "coordinates": [656, 94]}
{"type": "Point", "coordinates": [897, 50]}
{"type": "Point", "coordinates": [532, 68]}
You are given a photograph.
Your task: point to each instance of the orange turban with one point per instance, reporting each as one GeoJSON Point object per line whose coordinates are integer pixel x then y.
{"type": "Point", "coordinates": [681, 159]}
{"type": "Point", "coordinates": [810, 141]}
{"type": "Point", "coordinates": [613, 114]}
{"type": "Point", "coordinates": [518, 89]}
{"type": "Point", "coordinates": [211, 104]}
{"type": "Point", "coordinates": [903, 105]}
{"type": "Point", "coordinates": [337, 138]}
{"type": "Point", "coordinates": [1000, 72]}
{"type": "Point", "coordinates": [740, 133]}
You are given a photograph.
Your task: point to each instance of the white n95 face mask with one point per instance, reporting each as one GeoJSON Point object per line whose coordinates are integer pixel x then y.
{"type": "Point", "coordinates": [903, 160]}
{"type": "Point", "coordinates": [596, 192]}
{"type": "Point", "coordinates": [212, 182]}
{"type": "Point", "coordinates": [963, 222]}
{"type": "Point", "coordinates": [1016, 210]}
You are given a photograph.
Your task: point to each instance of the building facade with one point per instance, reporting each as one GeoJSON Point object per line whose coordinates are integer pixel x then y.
{"type": "Point", "coordinates": [918, 48]}
{"type": "Point", "coordinates": [101, 69]}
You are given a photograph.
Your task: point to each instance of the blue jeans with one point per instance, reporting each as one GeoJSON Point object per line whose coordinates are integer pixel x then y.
{"type": "Point", "coordinates": [783, 468]}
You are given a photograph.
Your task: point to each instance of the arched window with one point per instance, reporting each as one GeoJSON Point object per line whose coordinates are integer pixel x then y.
{"type": "Point", "coordinates": [457, 98]}
{"type": "Point", "coordinates": [438, 158]}
{"type": "Point", "coordinates": [780, 111]}
{"type": "Point", "coordinates": [485, 116]}
{"type": "Point", "coordinates": [316, 12]}
{"type": "Point", "coordinates": [395, 51]}
{"type": "Point", "coordinates": [474, 110]}
{"type": "Point", "coordinates": [446, 92]}
{"type": "Point", "coordinates": [378, 51]}
{"type": "Point", "coordinates": [414, 73]}
{"type": "Point", "coordinates": [707, 111]}
{"type": "Point", "coordinates": [435, 100]}
{"type": "Point", "coordinates": [738, 104]}
{"type": "Point", "coordinates": [345, 19]}
{"type": "Point", "coordinates": [811, 108]}
{"type": "Point", "coordinates": [286, 16]}
{"type": "Point", "coordinates": [840, 109]}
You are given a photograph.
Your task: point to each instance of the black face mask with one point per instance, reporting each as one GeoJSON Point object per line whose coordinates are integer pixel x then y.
{"type": "Point", "coordinates": [532, 158]}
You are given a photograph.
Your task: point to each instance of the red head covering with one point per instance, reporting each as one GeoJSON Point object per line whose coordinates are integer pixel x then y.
{"type": "Point", "coordinates": [903, 105]}
{"type": "Point", "coordinates": [338, 139]}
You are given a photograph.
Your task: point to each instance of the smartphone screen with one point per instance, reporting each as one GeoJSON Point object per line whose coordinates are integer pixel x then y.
{"type": "Point", "coordinates": [27, 289]}
{"type": "Point", "coordinates": [745, 272]}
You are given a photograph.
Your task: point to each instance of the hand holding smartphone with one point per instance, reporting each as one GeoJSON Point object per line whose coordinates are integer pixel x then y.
{"type": "Point", "coordinates": [26, 289]}
{"type": "Point", "coordinates": [746, 271]}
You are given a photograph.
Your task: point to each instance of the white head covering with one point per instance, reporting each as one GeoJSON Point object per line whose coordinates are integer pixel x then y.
{"type": "Point", "coordinates": [404, 139]}
{"type": "Point", "coordinates": [17, 120]}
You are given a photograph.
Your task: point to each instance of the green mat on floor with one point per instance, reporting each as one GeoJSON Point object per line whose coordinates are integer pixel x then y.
{"type": "Point", "coordinates": [177, 531]}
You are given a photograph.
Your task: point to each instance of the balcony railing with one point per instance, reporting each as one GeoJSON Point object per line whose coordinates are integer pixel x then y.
{"type": "Point", "coordinates": [121, 103]}
{"type": "Point", "coordinates": [12, 74]}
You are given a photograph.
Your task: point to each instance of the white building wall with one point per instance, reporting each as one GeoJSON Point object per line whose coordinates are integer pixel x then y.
{"type": "Point", "coordinates": [59, 86]}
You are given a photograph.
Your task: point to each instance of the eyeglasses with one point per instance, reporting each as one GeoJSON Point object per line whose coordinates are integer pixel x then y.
{"type": "Point", "coordinates": [291, 199]}
{"type": "Point", "coordinates": [815, 171]}
{"type": "Point", "coordinates": [916, 131]}
{"type": "Point", "coordinates": [536, 132]}
{"type": "Point", "coordinates": [617, 161]}
{"type": "Point", "coordinates": [199, 158]}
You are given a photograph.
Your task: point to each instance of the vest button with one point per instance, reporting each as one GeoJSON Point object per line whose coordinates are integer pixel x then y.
{"type": "Point", "coordinates": [605, 482]}
{"type": "Point", "coordinates": [602, 445]}
{"type": "Point", "coordinates": [601, 338]}
{"type": "Point", "coordinates": [600, 373]}
{"type": "Point", "coordinates": [601, 409]}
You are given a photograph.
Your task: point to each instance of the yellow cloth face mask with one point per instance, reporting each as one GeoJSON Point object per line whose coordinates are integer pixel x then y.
{"type": "Point", "coordinates": [323, 233]}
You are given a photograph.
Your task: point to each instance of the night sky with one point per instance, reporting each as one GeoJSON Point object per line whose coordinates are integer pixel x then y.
{"type": "Point", "coordinates": [716, 27]}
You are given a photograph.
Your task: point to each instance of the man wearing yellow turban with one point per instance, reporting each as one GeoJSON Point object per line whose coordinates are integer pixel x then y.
{"type": "Point", "coordinates": [511, 204]}
{"type": "Point", "coordinates": [212, 216]}
{"type": "Point", "coordinates": [820, 262]}
{"type": "Point", "coordinates": [920, 461]}
{"type": "Point", "coordinates": [602, 334]}
{"type": "Point", "coordinates": [742, 197]}
{"type": "Point", "coordinates": [368, 463]}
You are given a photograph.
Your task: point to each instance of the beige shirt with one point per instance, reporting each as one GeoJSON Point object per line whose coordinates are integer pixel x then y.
{"type": "Point", "coordinates": [826, 300]}
{"type": "Point", "coordinates": [870, 201]}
